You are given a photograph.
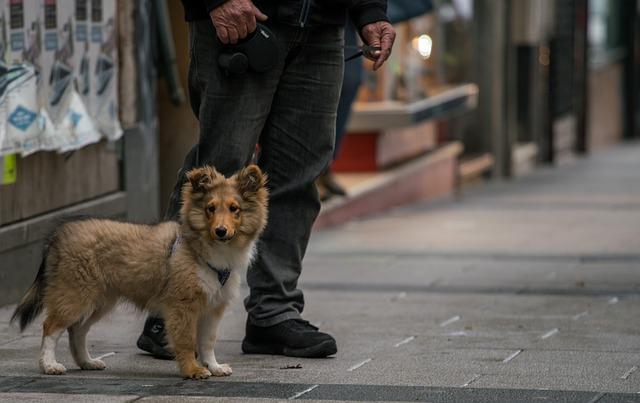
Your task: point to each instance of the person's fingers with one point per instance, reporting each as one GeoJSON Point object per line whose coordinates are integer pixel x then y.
{"type": "Point", "coordinates": [223, 34]}
{"type": "Point", "coordinates": [251, 24]}
{"type": "Point", "coordinates": [373, 39]}
{"type": "Point", "coordinates": [386, 44]}
{"type": "Point", "coordinates": [233, 35]}
{"type": "Point", "coordinates": [383, 56]}
{"type": "Point", "coordinates": [388, 37]}
{"type": "Point", "coordinates": [259, 15]}
{"type": "Point", "coordinates": [242, 30]}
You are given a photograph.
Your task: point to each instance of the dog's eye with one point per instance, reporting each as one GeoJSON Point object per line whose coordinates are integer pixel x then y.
{"type": "Point", "coordinates": [233, 208]}
{"type": "Point", "coordinates": [211, 209]}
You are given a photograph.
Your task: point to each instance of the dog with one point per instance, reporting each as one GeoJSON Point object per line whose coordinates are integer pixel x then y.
{"type": "Point", "coordinates": [187, 272]}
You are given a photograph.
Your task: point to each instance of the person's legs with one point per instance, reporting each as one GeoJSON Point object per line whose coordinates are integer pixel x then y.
{"type": "Point", "coordinates": [232, 111]}
{"type": "Point", "coordinates": [297, 143]}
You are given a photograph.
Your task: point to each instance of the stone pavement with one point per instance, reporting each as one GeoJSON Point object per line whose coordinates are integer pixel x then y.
{"type": "Point", "coordinates": [519, 291]}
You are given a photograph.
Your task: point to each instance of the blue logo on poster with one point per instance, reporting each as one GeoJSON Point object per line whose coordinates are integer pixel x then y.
{"type": "Point", "coordinates": [17, 41]}
{"type": "Point", "coordinates": [22, 118]}
{"type": "Point", "coordinates": [75, 117]}
{"type": "Point", "coordinates": [96, 34]}
{"type": "Point", "coordinates": [81, 33]}
{"type": "Point", "coordinates": [51, 41]}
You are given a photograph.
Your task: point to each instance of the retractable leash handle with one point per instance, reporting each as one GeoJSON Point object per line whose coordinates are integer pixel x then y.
{"type": "Point", "coordinates": [235, 63]}
{"type": "Point", "coordinates": [259, 52]}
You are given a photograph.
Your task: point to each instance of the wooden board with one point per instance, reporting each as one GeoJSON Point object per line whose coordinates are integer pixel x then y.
{"type": "Point", "coordinates": [49, 181]}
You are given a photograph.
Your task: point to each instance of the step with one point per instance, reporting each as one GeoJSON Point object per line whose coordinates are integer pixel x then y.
{"type": "Point", "coordinates": [427, 177]}
{"type": "Point", "coordinates": [472, 169]}
{"type": "Point", "coordinates": [379, 150]}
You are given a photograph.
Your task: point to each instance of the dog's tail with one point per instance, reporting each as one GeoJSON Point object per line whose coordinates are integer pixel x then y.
{"type": "Point", "coordinates": [32, 302]}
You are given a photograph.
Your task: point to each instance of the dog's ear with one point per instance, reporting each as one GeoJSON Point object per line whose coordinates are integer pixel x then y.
{"type": "Point", "coordinates": [201, 179]}
{"type": "Point", "coordinates": [250, 180]}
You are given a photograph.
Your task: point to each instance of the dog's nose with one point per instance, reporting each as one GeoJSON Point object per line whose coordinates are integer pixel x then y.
{"type": "Point", "coordinates": [221, 232]}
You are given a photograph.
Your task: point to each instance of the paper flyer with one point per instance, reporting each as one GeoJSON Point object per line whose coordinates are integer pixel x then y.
{"type": "Point", "coordinates": [57, 73]}
{"type": "Point", "coordinates": [81, 57]}
{"type": "Point", "coordinates": [20, 77]}
{"type": "Point", "coordinates": [8, 169]}
{"type": "Point", "coordinates": [83, 128]}
{"type": "Point", "coordinates": [103, 103]}
{"type": "Point", "coordinates": [3, 71]}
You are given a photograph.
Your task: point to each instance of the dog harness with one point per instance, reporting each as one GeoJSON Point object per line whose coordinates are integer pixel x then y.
{"type": "Point", "coordinates": [223, 274]}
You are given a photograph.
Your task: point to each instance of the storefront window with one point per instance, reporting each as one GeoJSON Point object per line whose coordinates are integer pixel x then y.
{"type": "Point", "coordinates": [606, 34]}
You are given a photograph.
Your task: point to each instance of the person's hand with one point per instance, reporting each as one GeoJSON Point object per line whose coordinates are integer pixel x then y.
{"type": "Point", "coordinates": [379, 34]}
{"type": "Point", "coordinates": [235, 20]}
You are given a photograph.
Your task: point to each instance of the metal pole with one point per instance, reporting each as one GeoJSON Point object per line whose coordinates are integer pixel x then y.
{"type": "Point", "coordinates": [491, 44]}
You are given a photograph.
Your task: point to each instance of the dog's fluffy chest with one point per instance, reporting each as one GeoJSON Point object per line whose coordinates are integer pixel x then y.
{"type": "Point", "coordinates": [223, 258]}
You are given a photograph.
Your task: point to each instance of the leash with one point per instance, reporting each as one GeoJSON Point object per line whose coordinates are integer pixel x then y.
{"type": "Point", "coordinates": [223, 274]}
{"type": "Point", "coordinates": [361, 51]}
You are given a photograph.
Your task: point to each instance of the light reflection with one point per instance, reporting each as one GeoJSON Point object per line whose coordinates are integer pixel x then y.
{"type": "Point", "coordinates": [423, 44]}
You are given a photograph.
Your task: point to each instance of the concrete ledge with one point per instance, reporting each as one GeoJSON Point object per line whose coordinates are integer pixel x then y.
{"type": "Point", "coordinates": [34, 229]}
{"type": "Point", "coordinates": [431, 176]}
{"type": "Point", "coordinates": [376, 116]}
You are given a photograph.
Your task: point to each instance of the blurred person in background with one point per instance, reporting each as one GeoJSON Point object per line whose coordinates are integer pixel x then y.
{"type": "Point", "coordinates": [290, 111]}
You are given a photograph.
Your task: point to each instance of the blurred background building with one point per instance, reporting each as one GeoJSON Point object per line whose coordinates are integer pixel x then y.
{"type": "Point", "coordinates": [474, 90]}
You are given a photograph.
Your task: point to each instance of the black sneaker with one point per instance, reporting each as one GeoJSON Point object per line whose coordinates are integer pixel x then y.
{"type": "Point", "coordinates": [153, 339]}
{"type": "Point", "coordinates": [293, 338]}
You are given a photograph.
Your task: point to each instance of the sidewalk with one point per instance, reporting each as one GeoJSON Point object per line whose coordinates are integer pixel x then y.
{"type": "Point", "coordinates": [520, 291]}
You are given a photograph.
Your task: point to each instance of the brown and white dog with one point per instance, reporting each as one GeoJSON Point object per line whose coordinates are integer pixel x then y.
{"type": "Point", "coordinates": [188, 273]}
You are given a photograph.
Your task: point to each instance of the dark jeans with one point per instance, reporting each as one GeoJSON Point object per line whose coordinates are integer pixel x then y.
{"type": "Point", "coordinates": [291, 112]}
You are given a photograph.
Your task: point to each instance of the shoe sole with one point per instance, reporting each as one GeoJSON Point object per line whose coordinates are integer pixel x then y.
{"type": "Point", "coordinates": [322, 350]}
{"type": "Point", "coordinates": [145, 343]}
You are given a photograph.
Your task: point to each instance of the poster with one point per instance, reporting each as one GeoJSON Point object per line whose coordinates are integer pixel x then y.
{"type": "Point", "coordinates": [3, 72]}
{"type": "Point", "coordinates": [84, 130]}
{"type": "Point", "coordinates": [58, 74]}
{"type": "Point", "coordinates": [20, 77]}
{"type": "Point", "coordinates": [103, 103]}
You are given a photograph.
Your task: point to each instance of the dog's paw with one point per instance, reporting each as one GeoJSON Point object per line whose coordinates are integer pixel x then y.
{"type": "Point", "coordinates": [198, 373]}
{"type": "Point", "coordinates": [53, 369]}
{"type": "Point", "coordinates": [93, 365]}
{"type": "Point", "coordinates": [220, 369]}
